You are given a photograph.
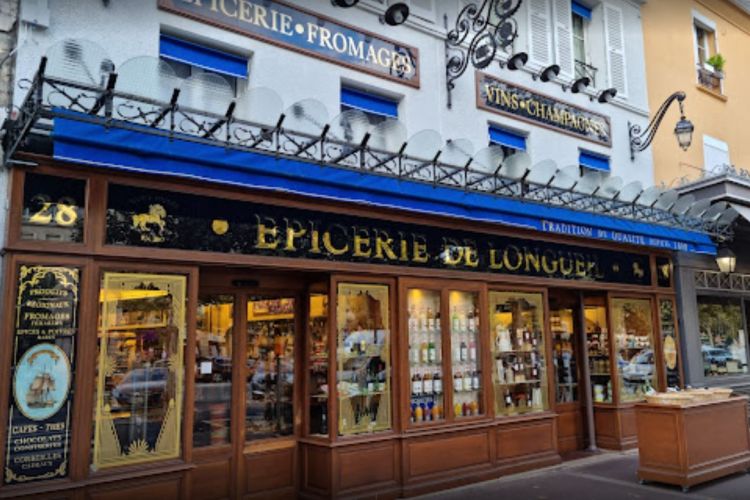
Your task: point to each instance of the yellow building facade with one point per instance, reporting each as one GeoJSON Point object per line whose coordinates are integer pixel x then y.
{"type": "Point", "coordinates": [685, 41]}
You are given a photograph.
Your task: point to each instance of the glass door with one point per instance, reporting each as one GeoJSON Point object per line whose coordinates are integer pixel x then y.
{"type": "Point", "coordinates": [425, 355]}
{"type": "Point", "coordinates": [597, 343]}
{"type": "Point", "coordinates": [633, 325]}
{"type": "Point", "coordinates": [563, 315]}
{"type": "Point", "coordinates": [270, 367]}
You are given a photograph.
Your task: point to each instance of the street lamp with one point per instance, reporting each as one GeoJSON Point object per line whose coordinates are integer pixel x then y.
{"type": "Point", "coordinates": [726, 259]}
{"type": "Point", "coordinates": [683, 130]}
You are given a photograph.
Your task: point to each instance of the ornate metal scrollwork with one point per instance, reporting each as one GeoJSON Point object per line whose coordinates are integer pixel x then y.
{"type": "Point", "coordinates": [493, 28]}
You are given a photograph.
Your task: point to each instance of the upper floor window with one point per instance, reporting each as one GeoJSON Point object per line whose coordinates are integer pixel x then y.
{"type": "Point", "coordinates": [581, 17]}
{"type": "Point", "coordinates": [593, 161]}
{"type": "Point", "coordinates": [707, 58]}
{"type": "Point", "coordinates": [376, 107]}
{"type": "Point", "coordinates": [511, 142]}
{"type": "Point", "coordinates": [188, 57]}
{"type": "Point", "coordinates": [715, 153]}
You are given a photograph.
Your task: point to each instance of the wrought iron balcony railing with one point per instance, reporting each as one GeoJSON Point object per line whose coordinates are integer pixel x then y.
{"type": "Point", "coordinates": [583, 69]}
{"type": "Point", "coordinates": [347, 143]}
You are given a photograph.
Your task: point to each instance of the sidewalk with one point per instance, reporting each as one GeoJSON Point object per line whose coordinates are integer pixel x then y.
{"type": "Point", "coordinates": [610, 476]}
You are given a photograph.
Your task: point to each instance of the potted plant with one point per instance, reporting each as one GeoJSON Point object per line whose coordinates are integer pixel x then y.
{"type": "Point", "coordinates": [717, 62]}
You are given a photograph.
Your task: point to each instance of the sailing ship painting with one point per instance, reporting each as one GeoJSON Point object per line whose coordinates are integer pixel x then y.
{"type": "Point", "coordinates": [42, 381]}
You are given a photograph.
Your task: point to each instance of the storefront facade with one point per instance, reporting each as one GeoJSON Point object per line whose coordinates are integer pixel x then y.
{"type": "Point", "coordinates": [211, 295]}
{"type": "Point", "coordinates": [447, 368]}
{"type": "Point", "coordinates": [714, 301]}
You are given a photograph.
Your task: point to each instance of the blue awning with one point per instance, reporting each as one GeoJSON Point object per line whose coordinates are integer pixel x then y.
{"type": "Point", "coordinates": [135, 150]}
{"type": "Point", "coordinates": [507, 138]}
{"type": "Point", "coordinates": [593, 160]}
{"type": "Point", "coordinates": [581, 10]}
{"type": "Point", "coordinates": [369, 103]}
{"type": "Point", "coordinates": [207, 58]}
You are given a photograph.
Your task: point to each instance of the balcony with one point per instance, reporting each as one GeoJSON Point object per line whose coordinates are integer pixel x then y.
{"type": "Point", "coordinates": [582, 69]}
{"type": "Point", "coordinates": [710, 79]}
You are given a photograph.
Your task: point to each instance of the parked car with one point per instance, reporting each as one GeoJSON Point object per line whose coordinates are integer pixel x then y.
{"type": "Point", "coordinates": [716, 355]}
{"type": "Point", "coordinates": [640, 369]}
{"type": "Point", "coordinates": [142, 386]}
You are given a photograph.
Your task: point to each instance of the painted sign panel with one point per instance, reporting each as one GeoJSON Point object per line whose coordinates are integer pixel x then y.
{"type": "Point", "coordinates": [304, 31]}
{"type": "Point", "coordinates": [46, 323]}
{"type": "Point", "coordinates": [161, 219]}
{"type": "Point", "coordinates": [509, 99]}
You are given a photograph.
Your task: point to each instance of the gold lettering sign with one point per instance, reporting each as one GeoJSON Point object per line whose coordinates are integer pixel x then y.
{"type": "Point", "coordinates": [509, 99]}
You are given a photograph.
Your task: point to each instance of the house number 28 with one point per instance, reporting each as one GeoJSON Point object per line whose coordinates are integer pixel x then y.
{"type": "Point", "coordinates": [63, 212]}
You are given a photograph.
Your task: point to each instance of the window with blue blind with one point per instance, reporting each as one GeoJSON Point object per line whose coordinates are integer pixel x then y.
{"type": "Point", "coordinates": [581, 10]}
{"type": "Point", "coordinates": [200, 56]}
{"type": "Point", "coordinates": [593, 161]}
{"type": "Point", "coordinates": [376, 107]}
{"type": "Point", "coordinates": [511, 142]}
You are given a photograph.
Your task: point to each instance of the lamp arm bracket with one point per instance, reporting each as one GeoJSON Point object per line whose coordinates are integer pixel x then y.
{"type": "Point", "coordinates": [641, 139]}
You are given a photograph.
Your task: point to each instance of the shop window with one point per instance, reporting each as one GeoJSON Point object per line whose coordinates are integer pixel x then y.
{"type": "Point", "coordinates": [564, 335]}
{"type": "Point", "coordinates": [318, 364]}
{"type": "Point", "coordinates": [723, 336]}
{"type": "Point", "coordinates": [140, 372]}
{"type": "Point", "coordinates": [510, 142]}
{"type": "Point", "coordinates": [466, 353]}
{"type": "Point", "coordinates": [633, 333]}
{"type": "Point", "coordinates": [519, 375]}
{"type": "Point", "coordinates": [593, 161]}
{"type": "Point", "coordinates": [270, 367]}
{"type": "Point", "coordinates": [187, 58]}
{"type": "Point", "coordinates": [425, 357]}
{"type": "Point", "coordinates": [377, 108]}
{"type": "Point", "coordinates": [53, 208]}
{"type": "Point", "coordinates": [363, 358]}
{"type": "Point", "coordinates": [213, 370]}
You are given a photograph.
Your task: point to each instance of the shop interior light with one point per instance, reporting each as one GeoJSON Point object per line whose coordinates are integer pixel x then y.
{"type": "Point", "coordinates": [549, 73]}
{"type": "Point", "coordinates": [580, 84]}
{"type": "Point", "coordinates": [726, 260]}
{"type": "Point", "coordinates": [517, 61]}
{"type": "Point", "coordinates": [607, 95]}
{"type": "Point", "coordinates": [344, 3]}
{"type": "Point", "coordinates": [396, 13]}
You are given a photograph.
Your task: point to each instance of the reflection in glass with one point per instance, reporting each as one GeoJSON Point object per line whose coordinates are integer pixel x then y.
{"type": "Point", "coordinates": [270, 367]}
{"type": "Point", "coordinates": [425, 356]}
{"type": "Point", "coordinates": [363, 355]}
{"type": "Point", "coordinates": [318, 363]}
{"type": "Point", "coordinates": [520, 375]}
{"type": "Point", "coordinates": [53, 208]}
{"type": "Point", "coordinates": [137, 415]}
{"type": "Point", "coordinates": [633, 329]}
{"type": "Point", "coordinates": [597, 343]}
{"type": "Point", "coordinates": [213, 370]}
{"type": "Point", "coordinates": [723, 336]}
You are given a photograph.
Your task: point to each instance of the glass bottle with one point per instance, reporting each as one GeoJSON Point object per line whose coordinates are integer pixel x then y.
{"type": "Point", "coordinates": [458, 382]}
{"type": "Point", "coordinates": [416, 384]}
{"type": "Point", "coordinates": [455, 322]}
{"type": "Point", "coordinates": [467, 381]}
{"type": "Point", "coordinates": [437, 383]}
{"type": "Point", "coordinates": [425, 349]}
{"type": "Point", "coordinates": [427, 385]}
{"type": "Point", "coordinates": [432, 351]}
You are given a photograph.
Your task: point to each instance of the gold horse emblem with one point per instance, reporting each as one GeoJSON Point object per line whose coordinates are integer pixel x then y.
{"type": "Point", "coordinates": [151, 225]}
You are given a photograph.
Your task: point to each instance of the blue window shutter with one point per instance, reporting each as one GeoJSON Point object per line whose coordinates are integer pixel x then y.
{"type": "Point", "coordinates": [581, 10]}
{"type": "Point", "coordinates": [595, 161]}
{"type": "Point", "coordinates": [507, 138]}
{"type": "Point", "coordinates": [202, 57]}
{"type": "Point", "coordinates": [368, 103]}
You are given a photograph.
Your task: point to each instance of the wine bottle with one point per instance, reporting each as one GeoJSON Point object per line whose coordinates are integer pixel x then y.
{"type": "Point", "coordinates": [414, 353]}
{"type": "Point", "coordinates": [458, 382]}
{"type": "Point", "coordinates": [508, 399]}
{"type": "Point", "coordinates": [416, 384]}
{"type": "Point", "coordinates": [455, 322]}
{"type": "Point", "coordinates": [437, 383]}
{"type": "Point", "coordinates": [464, 351]}
{"type": "Point", "coordinates": [425, 349]}
{"type": "Point", "coordinates": [462, 321]}
{"type": "Point", "coordinates": [422, 320]}
{"type": "Point", "coordinates": [471, 322]}
{"type": "Point", "coordinates": [467, 381]}
{"type": "Point", "coordinates": [475, 380]}
{"type": "Point", "coordinates": [427, 385]}
{"type": "Point", "coordinates": [430, 320]}
{"type": "Point", "coordinates": [472, 350]}
{"type": "Point", "coordinates": [432, 351]}
{"type": "Point", "coordinates": [465, 409]}
{"type": "Point", "coordinates": [412, 319]}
